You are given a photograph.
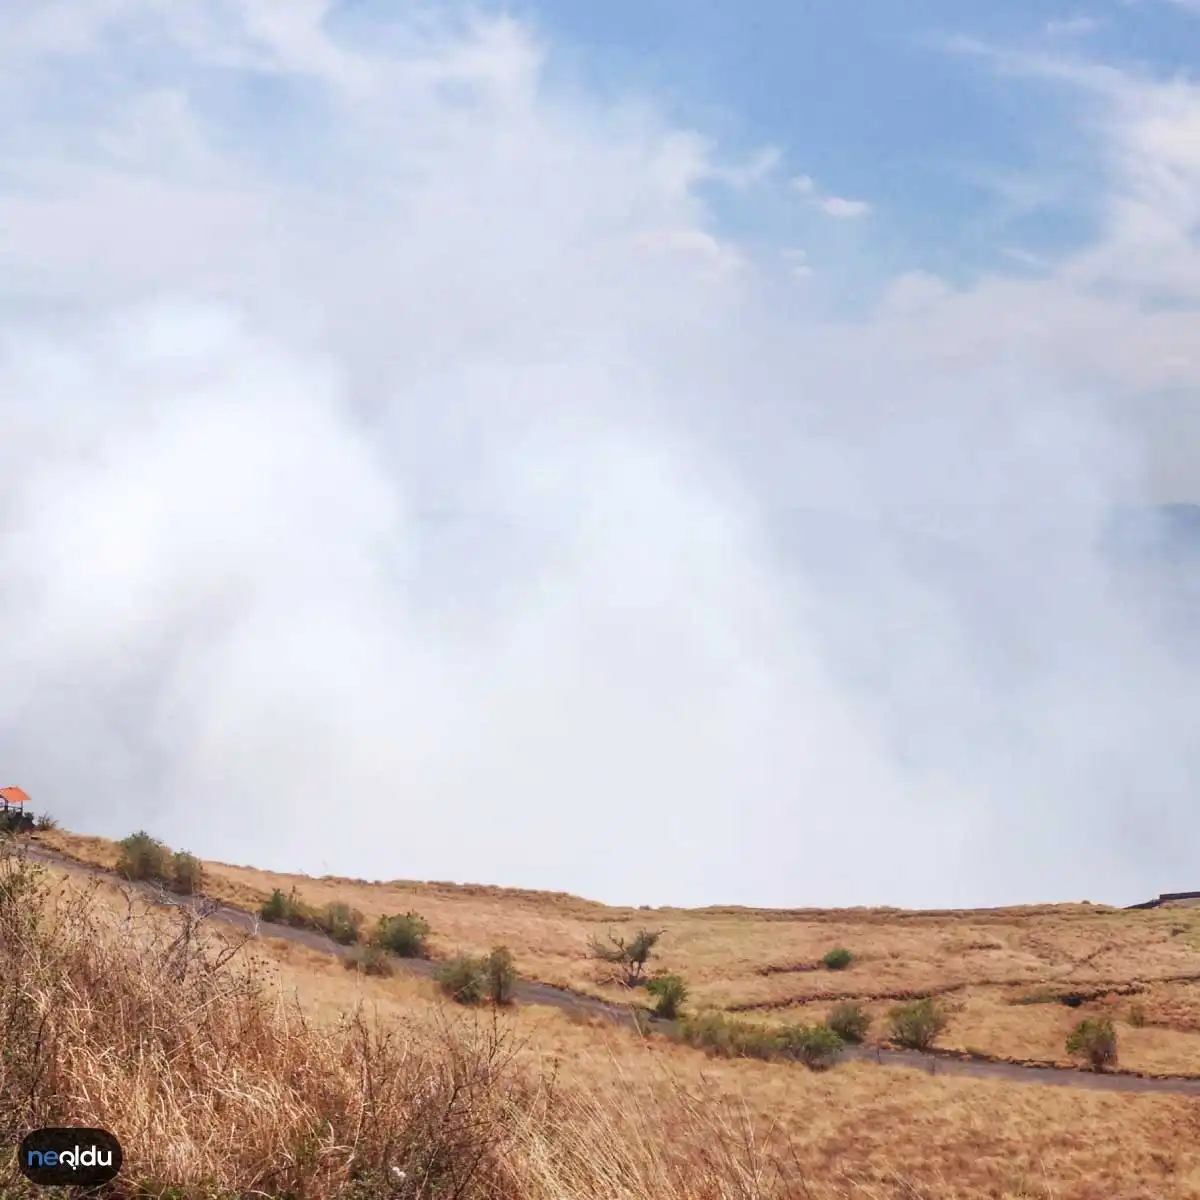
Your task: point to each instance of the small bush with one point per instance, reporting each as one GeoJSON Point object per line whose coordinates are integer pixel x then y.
{"type": "Point", "coordinates": [1095, 1041]}
{"type": "Point", "coordinates": [671, 992]}
{"type": "Point", "coordinates": [463, 979]}
{"type": "Point", "coordinates": [501, 974]}
{"type": "Point", "coordinates": [917, 1025]}
{"type": "Point", "coordinates": [187, 873]}
{"type": "Point", "coordinates": [729, 1038]}
{"type": "Point", "coordinates": [1137, 1014]}
{"type": "Point", "coordinates": [288, 910]}
{"type": "Point", "coordinates": [45, 822]}
{"type": "Point", "coordinates": [629, 956]}
{"type": "Point", "coordinates": [275, 908]}
{"type": "Point", "coordinates": [816, 1046]}
{"type": "Point", "coordinates": [405, 936]}
{"type": "Point", "coordinates": [370, 960]}
{"type": "Point", "coordinates": [838, 959]}
{"type": "Point", "coordinates": [849, 1022]}
{"type": "Point", "coordinates": [143, 858]}
{"type": "Point", "coordinates": [341, 922]}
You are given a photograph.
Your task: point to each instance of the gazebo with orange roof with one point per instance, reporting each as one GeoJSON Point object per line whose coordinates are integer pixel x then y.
{"type": "Point", "coordinates": [13, 799]}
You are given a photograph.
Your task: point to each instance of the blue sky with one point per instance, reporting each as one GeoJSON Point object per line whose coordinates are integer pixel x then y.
{"type": "Point", "coordinates": [872, 99]}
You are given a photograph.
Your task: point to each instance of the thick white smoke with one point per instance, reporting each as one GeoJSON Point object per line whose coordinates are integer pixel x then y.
{"type": "Point", "coordinates": [401, 476]}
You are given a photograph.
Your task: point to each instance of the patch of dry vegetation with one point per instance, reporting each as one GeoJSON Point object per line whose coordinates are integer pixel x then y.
{"type": "Point", "coordinates": [216, 1086]}
{"type": "Point", "coordinates": [769, 966]}
{"type": "Point", "coordinates": [278, 1073]}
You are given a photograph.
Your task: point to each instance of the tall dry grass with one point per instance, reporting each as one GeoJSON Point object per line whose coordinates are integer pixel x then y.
{"type": "Point", "coordinates": [218, 1086]}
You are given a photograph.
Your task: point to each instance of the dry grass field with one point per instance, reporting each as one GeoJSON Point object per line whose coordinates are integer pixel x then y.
{"type": "Point", "coordinates": [206, 1076]}
{"type": "Point", "coordinates": [646, 1116]}
{"type": "Point", "coordinates": [997, 971]}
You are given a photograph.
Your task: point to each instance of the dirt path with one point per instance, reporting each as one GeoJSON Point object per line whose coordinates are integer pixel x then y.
{"type": "Point", "coordinates": [531, 992]}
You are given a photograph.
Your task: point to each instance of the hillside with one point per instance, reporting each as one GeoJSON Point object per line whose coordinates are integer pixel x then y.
{"type": "Point", "coordinates": [1015, 979]}
{"type": "Point", "coordinates": [533, 1101]}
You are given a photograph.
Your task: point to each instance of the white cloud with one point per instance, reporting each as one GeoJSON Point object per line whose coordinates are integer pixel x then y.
{"type": "Point", "coordinates": [833, 206]}
{"type": "Point", "coordinates": [847, 210]}
{"type": "Point", "coordinates": [1145, 130]}
{"type": "Point", "coordinates": [717, 258]}
{"type": "Point", "coordinates": [758, 169]}
{"type": "Point", "coordinates": [237, 372]}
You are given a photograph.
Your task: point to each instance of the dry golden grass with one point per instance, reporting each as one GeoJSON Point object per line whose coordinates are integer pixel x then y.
{"type": "Point", "coordinates": [213, 1079]}
{"type": "Point", "coordinates": [761, 962]}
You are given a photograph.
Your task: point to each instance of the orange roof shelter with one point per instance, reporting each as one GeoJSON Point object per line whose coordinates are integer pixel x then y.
{"type": "Point", "coordinates": [13, 797]}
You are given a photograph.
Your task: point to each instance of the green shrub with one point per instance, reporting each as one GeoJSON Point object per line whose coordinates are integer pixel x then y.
{"type": "Point", "coordinates": [849, 1022]}
{"type": "Point", "coordinates": [1096, 1041]}
{"type": "Point", "coordinates": [501, 975]}
{"type": "Point", "coordinates": [288, 910]}
{"type": "Point", "coordinates": [838, 959]}
{"type": "Point", "coordinates": [917, 1025]}
{"type": "Point", "coordinates": [275, 908]}
{"type": "Point", "coordinates": [405, 936]}
{"type": "Point", "coordinates": [463, 979]}
{"type": "Point", "coordinates": [629, 956]}
{"type": "Point", "coordinates": [723, 1035]}
{"type": "Point", "coordinates": [370, 960]}
{"type": "Point", "coordinates": [143, 858]}
{"type": "Point", "coordinates": [670, 992]}
{"type": "Point", "coordinates": [816, 1046]}
{"type": "Point", "coordinates": [187, 873]}
{"type": "Point", "coordinates": [341, 922]}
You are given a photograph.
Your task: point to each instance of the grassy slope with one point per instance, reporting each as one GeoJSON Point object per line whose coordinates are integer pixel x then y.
{"type": "Point", "coordinates": [640, 1119]}
{"type": "Point", "coordinates": [759, 961]}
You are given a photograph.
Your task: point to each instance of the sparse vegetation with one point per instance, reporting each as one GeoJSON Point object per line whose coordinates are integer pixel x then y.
{"type": "Point", "coordinates": [816, 1046]}
{"type": "Point", "coordinates": [470, 980]}
{"type": "Point", "coordinates": [187, 874]}
{"type": "Point", "coordinates": [463, 979]}
{"type": "Point", "coordinates": [276, 908]}
{"type": "Point", "coordinates": [1094, 1040]}
{"type": "Point", "coordinates": [44, 823]}
{"type": "Point", "coordinates": [143, 858]}
{"type": "Point", "coordinates": [501, 974]}
{"type": "Point", "coordinates": [347, 1109]}
{"type": "Point", "coordinates": [670, 993]}
{"type": "Point", "coordinates": [342, 1074]}
{"type": "Point", "coordinates": [628, 955]}
{"type": "Point", "coordinates": [370, 960]}
{"type": "Point", "coordinates": [725, 1036]}
{"type": "Point", "coordinates": [288, 910]}
{"type": "Point", "coordinates": [341, 922]}
{"type": "Point", "coordinates": [1137, 1014]}
{"type": "Point", "coordinates": [405, 937]}
{"type": "Point", "coordinates": [850, 1022]}
{"type": "Point", "coordinates": [838, 959]}
{"type": "Point", "coordinates": [918, 1024]}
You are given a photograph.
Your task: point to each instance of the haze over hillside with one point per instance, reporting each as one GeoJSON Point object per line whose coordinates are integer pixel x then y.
{"type": "Point", "coordinates": [783, 437]}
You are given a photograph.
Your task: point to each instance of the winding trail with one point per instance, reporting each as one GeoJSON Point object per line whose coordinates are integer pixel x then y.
{"type": "Point", "coordinates": [937, 1063]}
